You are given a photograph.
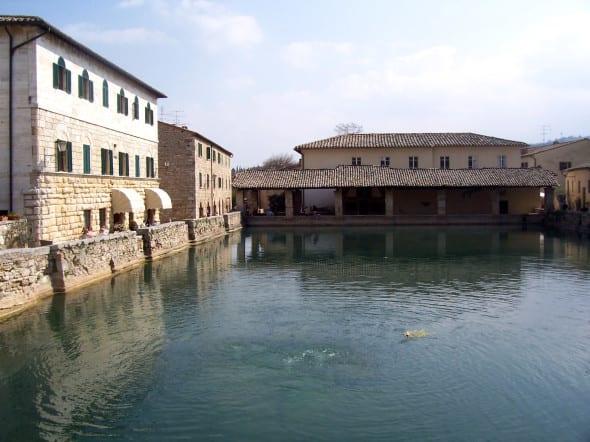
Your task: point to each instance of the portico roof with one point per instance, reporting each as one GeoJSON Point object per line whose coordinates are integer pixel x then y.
{"type": "Point", "coordinates": [379, 176]}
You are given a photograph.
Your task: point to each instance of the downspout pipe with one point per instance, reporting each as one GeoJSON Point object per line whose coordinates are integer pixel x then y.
{"type": "Point", "coordinates": [10, 111]}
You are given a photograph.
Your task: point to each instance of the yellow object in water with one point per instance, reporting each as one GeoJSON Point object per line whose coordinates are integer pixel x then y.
{"type": "Point", "coordinates": [416, 333]}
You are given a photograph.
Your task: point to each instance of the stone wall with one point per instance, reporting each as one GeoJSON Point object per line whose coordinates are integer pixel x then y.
{"type": "Point", "coordinates": [82, 261]}
{"type": "Point", "coordinates": [14, 234]}
{"type": "Point", "coordinates": [203, 229]}
{"type": "Point", "coordinates": [27, 274]}
{"type": "Point", "coordinates": [24, 276]}
{"type": "Point", "coordinates": [164, 238]}
{"type": "Point", "coordinates": [232, 221]}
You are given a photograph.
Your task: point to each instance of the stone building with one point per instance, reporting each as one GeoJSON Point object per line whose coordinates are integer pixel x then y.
{"type": "Point", "coordinates": [577, 187]}
{"type": "Point", "coordinates": [405, 175]}
{"type": "Point", "coordinates": [196, 172]}
{"type": "Point", "coordinates": [79, 143]}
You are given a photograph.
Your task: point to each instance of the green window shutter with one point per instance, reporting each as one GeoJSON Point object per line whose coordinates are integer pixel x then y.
{"type": "Point", "coordinates": [80, 87]}
{"type": "Point", "coordinates": [121, 160]}
{"type": "Point", "coordinates": [126, 101]}
{"type": "Point", "coordinates": [86, 149]}
{"type": "Point", "coordinates": [147, 167]}
{"type": "Point", "coordinates": [137, 171]}
{"type": "Point", "coordinates": [103, 161]}
{"type": "Point", "coordinates": [105, 93]}
{"type": "Point", "coordinates": [70, 160]}
{"type": "Point", "coordinates": [91, 91]}
{"type": "Point", "coordinates": [208, 153]}
{"type": "Point", "coordinates": [110, 152]}
{"type": "Point", "coordinates": [146, 116]}
{"type": "Point", "coordinates": [151, 117]}
{"type": "Point", "coordinates": [68, 81]}
{"type": "Point", "coordinates": [126, 164]}
{"type": "Point", "coordinates": [118, 103]}
{"type": "Point", "coordinates": [55, 76]}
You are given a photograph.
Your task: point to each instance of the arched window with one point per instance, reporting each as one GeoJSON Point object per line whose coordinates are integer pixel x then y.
{"type": "Point", "coordinates": [122, 103]}
{"type": "Point", "coordinates": [105, 93]}
{"type": "Point", "coordinates": [149, 115]}
{"type": "Point", "coordinates": [85, 87]}
{"type": "Point", "coordinates": [135, 109]}
{"type": "Point", "coordinates": [62, 78]}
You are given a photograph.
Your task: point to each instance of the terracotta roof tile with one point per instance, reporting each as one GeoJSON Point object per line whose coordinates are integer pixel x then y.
{"type": "Point", "coordinates": [377, 176]}
{"type": "Point", "coordinates": [400, 140]}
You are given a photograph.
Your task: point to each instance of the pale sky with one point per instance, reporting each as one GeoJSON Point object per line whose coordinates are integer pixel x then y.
{"type": "Point", "coordinates": [259, 77]}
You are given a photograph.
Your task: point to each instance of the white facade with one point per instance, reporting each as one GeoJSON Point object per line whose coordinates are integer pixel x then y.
{"type": "Point", "coordinates": [63, 186]}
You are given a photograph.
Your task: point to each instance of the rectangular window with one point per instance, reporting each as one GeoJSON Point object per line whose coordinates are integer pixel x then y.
{"type": "Point", "coordinates": [62, 78]}
{"type": "Point", "coordinates": [444, 162]}
{"type": "Point", "coordinates": [524, 165]}
{"type": "Point", "coordinates": [207, 181]}
{"type": "Point", "coordinates": [213, 179]}
{"type": "Point", "coordinates": [150, 171]}
{"type": "Point", "coordinates": [385, 161]}
{"type": "Point", "coordinates": [137, 169]}
{"type": "Point", "coordinates": [106, 161]}
{"type": "Point", "coordinates": [356, 161]}
{"type": "Point", "coordinates": [472, 162]}
{"type": "Point", "coordinates": [219, 183]}
{"type": "Point", "coordinates": [85, 88]}
{"type": "Point", "coordinates": [565, 165]}
{"type": "Point", "coordinates": [86, 152]}
{"type": "Point", "coordinates": [88, 219]}
{"type": "Point", "coordinates": [64, 156]}
{"type": "Point", "coordinates": [502, 161]}
{"type": "Point", "coordinates": [208, 153]}
{"type": "Point", "coordinates": [200, 150]}
{"type": "Point", "coordinates": [413, 162]}
{"type": "Point", "coordinates": [213, 154]}
{"type": "Point", "coordinates": [200, 180]}
{"type": "Point", "coordinates": [102, 217]}
{"type": "Point", "coordinates": [219, 158]}
{"type": "Point", "coordinates": [123, 164]}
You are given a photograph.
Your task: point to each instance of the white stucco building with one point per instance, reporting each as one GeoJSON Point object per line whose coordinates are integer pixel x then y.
{"type": "Point", "coordinates": [78, 135]}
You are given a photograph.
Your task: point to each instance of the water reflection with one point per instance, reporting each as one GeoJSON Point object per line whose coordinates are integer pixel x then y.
{"type": "Point", "coordinates": [290, 334]}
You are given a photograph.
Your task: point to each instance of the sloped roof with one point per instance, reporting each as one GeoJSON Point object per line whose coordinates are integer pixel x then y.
{"type": "Point", "coordinates": [23, 20]}
{"type": "Point", "coordinates": [193, 133]}
{"type": "Point", "coordinates": [398, 140]}
{"type": "Point", "coordinates": [378, 176]}
{"type": "Point", "coordinates": [531, 151]}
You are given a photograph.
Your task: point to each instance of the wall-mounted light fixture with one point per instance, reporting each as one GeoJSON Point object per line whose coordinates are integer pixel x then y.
{"type": "Point", "coordinates": [115, 146]}
{"type": "Point", "coordinates": [166, 163]}
{"type": "Point", "coordinates": [61, 145]}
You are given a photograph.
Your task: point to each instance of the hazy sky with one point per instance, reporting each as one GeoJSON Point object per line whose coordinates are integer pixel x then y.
{"type": "Point", "coordinates": [262, 76]}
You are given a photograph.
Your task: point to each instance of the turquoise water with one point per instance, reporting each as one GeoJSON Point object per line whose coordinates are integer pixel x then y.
{"type": "Point", "coordinates": [299, 335]}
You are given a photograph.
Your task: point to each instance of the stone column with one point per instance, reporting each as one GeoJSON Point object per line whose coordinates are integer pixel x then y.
{"type": "Point", "coordinates": [388, 202]}
{"type": "Point", "coordinates": [338, 202]}
{"type": "Point", "coordinates": [289, 203]}
{"type": "Point", "coordinates": [441, 202]}
{"type": "Point", "coordinates": [239, 199]}
{"type": "Point", "coordinates": [549, 198]}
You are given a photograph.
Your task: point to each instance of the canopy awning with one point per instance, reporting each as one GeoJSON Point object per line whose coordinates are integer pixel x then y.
{"type": "Point", "coordinates": [157, 199]}
{"type": "Point", "coordinates": [127, 200]}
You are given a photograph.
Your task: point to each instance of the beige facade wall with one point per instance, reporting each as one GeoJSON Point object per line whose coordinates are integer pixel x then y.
{"type": "Point", "coordinates": [576, 153]}
{"type": "Point", "coordinates": [577, 188]}
{"type": "Point", "coordinates": [195, 172]}
{"type": "Point", "coordinates": [399, 157]}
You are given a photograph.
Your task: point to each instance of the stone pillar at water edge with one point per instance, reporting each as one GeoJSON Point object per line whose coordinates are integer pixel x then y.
{"type": "Point", "coordinates": [289, 203]}
{"type": "Point", "coordinates": [441, 200]}
{"type": "Point", "coordinates": [338, 202]}
{"type": "Point", "coordinates": [388, 202]}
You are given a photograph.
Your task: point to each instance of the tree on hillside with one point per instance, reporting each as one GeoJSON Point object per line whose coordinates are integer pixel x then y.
{"type": "Point", "coordinates": [280, 162]}
{"type": "Point", "coordinates": [348, 128]}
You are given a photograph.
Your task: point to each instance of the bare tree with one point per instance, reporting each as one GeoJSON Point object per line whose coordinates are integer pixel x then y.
{"type": "Point", "coordinates": [348, 128]}
{"type": "Point", "coordinates": [280, 162]}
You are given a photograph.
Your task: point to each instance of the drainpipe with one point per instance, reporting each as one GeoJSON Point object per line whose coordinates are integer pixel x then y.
{"type": "Point", "coordinates": [10, 113]}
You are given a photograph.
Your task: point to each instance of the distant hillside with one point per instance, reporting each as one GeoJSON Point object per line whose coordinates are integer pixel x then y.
{"type": "Point", "coordinates": [559, 140]}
